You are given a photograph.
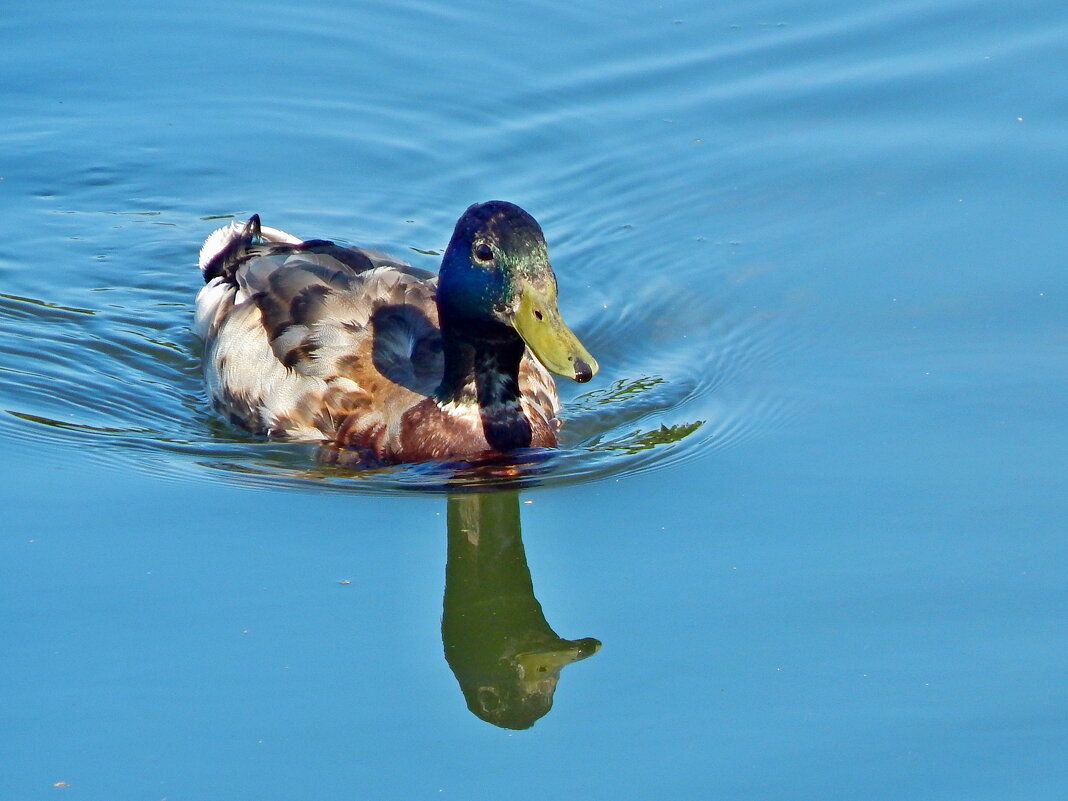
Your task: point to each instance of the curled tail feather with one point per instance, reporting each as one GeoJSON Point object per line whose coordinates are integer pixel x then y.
{"type": "Point", "coordinates": [228, 247]}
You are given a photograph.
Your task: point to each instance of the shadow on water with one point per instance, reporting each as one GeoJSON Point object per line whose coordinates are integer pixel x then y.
{"type": "Point", "coordinates": [504, 654]}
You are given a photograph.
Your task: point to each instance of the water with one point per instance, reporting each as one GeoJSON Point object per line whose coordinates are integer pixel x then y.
{"type": "Point", "coordinates": [812, 507]}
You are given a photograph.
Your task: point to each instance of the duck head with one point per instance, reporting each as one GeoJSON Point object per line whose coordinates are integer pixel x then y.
{"type": "Point", "coordinates": [496, 272]}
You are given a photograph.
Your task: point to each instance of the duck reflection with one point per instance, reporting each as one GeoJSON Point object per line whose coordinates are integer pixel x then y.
{"type": "Point", "coordinates": [504, 654]}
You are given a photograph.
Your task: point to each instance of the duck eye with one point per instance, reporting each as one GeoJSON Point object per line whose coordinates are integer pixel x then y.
{"type": "Point", "coordinates": [537, 313]}
{"type": "Point", "coordinates": [483, 252]}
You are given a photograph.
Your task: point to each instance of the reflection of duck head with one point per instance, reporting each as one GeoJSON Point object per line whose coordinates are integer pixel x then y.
{"type": "Point", "coordinates": [504, 654]}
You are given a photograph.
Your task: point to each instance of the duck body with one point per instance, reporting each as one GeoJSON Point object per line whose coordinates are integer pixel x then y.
{"type": "Point", "coordinates": [310, 340]}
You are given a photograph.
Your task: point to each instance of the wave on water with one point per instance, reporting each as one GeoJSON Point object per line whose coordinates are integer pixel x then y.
{"type": "Point", "coordinates": [115, 372]}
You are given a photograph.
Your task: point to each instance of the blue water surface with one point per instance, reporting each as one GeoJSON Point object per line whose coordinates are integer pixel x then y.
{"type": "Point", "coordinates": [813, 506]}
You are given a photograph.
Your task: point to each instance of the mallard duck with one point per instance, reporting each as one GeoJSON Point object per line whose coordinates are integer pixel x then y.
{"type": "Point", "coordinates": [309, 340]}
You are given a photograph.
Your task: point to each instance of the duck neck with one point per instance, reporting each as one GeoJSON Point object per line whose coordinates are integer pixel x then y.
{"type": "Point", "coordinates": [481, 365]}
{"type": "Point", "coordinates": [482, 369]}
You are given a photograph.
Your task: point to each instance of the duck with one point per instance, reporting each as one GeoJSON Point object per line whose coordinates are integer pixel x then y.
{"type": "Point", "coordinates": [309, 340]}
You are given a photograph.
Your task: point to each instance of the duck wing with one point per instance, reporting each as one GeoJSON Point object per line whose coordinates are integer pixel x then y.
{"type": "Point", "coordinates": [332, 311]}
{"type": "Point", "coordinates": [300, 336]}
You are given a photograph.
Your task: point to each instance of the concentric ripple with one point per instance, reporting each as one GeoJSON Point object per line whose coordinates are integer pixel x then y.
{"type": "Point", "coordinates": [112, 368]}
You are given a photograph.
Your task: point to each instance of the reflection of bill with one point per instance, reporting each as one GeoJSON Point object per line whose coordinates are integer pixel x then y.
{"type": "Point", "coordinates": [504, 654]}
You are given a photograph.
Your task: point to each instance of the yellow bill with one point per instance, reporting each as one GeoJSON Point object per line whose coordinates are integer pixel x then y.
{"type": "Point", "coordinates": [539, 322]}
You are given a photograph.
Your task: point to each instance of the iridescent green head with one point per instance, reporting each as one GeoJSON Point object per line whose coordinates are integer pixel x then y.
{"type": "Point", "coordinates": [496, 269]}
